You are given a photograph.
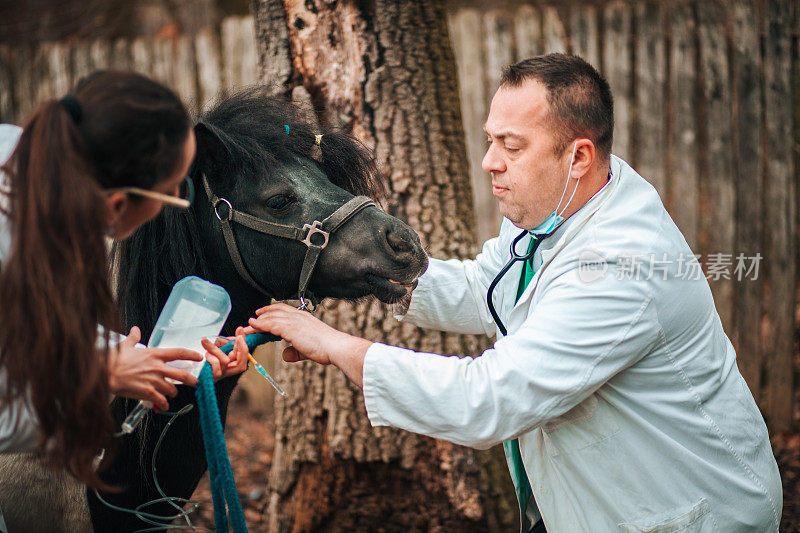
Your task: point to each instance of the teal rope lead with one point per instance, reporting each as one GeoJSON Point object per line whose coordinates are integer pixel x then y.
{"type": "Point", "coordinates": [254, 340]}
{"type": "Point", "coordinates": [217, 456]}
{"type": "Point", "coordinates": [223, 485]}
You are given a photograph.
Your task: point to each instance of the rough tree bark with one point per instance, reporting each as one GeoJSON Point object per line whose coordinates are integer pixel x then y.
{"type": "Point", "coordinates": [385, 71]}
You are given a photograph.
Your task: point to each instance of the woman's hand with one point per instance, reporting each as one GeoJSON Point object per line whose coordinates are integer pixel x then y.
{"type": "Point", "coordinates": [141, 373]}
{"type": "Point", "coordinates": [225, 365]}
{"type": "Point", "coordinates": [311, 339]}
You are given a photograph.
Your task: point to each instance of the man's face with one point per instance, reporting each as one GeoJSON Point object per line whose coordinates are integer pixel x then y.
{"type": "Point", "coordinates": [527, 176]}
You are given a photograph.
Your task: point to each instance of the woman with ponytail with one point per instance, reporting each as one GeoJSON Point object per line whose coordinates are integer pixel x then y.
{"type": "Point", "coordinates": [95, 164]}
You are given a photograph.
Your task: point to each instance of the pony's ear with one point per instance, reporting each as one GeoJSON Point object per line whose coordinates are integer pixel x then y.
{"type": "Point", "coordinates": [213, 153]}
{"type": "Point", "coordinates": [350, 165]}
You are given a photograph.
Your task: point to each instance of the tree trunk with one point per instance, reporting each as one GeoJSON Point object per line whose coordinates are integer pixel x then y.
{"type": "Point", "coordinates": [385, 71]}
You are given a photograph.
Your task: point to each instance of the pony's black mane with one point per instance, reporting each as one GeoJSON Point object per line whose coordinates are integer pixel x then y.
{"type": "Point", "coordinates": [252, 128]}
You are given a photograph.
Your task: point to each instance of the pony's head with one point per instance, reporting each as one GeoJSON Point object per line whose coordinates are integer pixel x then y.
{"type": "Point", "coordinates": [258, 153]}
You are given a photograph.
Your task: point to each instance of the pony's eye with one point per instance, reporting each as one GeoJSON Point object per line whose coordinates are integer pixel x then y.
{"type": "Point", "coordinates": [279, 201]}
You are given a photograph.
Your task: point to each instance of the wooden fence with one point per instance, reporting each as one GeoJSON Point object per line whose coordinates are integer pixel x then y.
{"type": "Point", "coordinates": [706, 108]}
{"type": "Point", "coordinates": [199, 68]}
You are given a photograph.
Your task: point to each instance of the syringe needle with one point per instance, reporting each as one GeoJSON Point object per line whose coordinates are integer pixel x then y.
{"type": "Point", "coordinates": [261, 370]}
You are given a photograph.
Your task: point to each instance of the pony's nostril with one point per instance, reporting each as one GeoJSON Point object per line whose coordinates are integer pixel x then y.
{"type": "Point", "coordinates": [398, 243]}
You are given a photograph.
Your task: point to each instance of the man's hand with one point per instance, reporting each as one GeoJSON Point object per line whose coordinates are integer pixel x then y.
{"type": "Point", "coordinates": [141, 373]}
{"type": "Point", "coordinates": [311, 339]}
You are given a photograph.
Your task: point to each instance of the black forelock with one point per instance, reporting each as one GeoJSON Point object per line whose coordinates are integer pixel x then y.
{"type": "Point", "coordinates": [252, 126]}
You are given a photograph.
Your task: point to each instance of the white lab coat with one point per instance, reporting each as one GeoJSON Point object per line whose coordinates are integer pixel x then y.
{"type": "Point", "coordinates": [630, 410]}
{"type": "Point", "coordinates": [19, 427]}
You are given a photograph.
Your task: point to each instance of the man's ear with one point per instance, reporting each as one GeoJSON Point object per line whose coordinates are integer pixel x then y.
{"type": "Point", "coordinates": [585, 154]}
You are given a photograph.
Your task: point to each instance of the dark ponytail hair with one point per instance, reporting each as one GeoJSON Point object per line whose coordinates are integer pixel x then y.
{"type": "Point", "coordinates": [54, 287]}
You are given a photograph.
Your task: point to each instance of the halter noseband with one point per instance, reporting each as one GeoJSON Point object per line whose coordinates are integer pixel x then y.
{"type": "Point", "coordinates": [318, 231]}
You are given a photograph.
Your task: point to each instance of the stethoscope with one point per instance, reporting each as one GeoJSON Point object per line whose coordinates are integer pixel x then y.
{"type": "Point", "coordinates": [537, 240]}
{"type": "Point", "coordinates": [514, 258]}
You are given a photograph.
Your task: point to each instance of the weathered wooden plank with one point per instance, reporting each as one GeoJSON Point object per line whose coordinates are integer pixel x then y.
{"type": "Point", "coordinates": [465, 26]}
{"type": "Point", "coordinates": [81, 62]}
{"type": "Point", "coordinates": [25, 69]}
{"type": "Point", "coordinates": [185, 72]}
{"type": "Point", "coordinates": [585, 38]}
{"type": "Point", "coordinates": [617, 70]}
{"type": "Point", "coordinates": [209, 67]}
{"type": "Point", "coordinates": [142, 56]}
{"type": "Point", "coordinates": [229, 41]}
{"type": "Point", "coordinates": [650, 85]}
{"type": "Point", "coordinates": [163, 61]}
{"type": "Point", "coordinates": [42, 80]}
{"type": "Point", "coordinates": [555, 35]}
{"type": "Point", "coordinates": [683, 108]}
{"type": "Point", "coordinates": [716, 157]}
{"type": "Point", "coordinates": [249, 52]}
{"type": "Point", "coordinates": [100, 54]}
{"type": "Point", "coordinates": [528, 32]}
{"type": "Point", "coordinates": [121, 58]}
{"type": "Point", "coordinates": [58, 60]}
{"type": "Point", "coordinates": [780, 217]}
{"type": "Point", "coordinates": [498, 39]}
{"type": "Point", "coordinates": [41, 88]}
{"type": "Point", "coordinates": [6, 86]}
{"type": "Point", "coordinates": [53, 78]}
{"type": "Point", "coordinates": [748, 175]}
{"type": "Point", "coordinates": [239, 55]}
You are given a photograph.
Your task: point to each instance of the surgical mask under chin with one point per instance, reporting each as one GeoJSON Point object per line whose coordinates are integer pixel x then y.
{"type": "Point", "coordinates": [549, 224]}
{"type": "Point", "coordinates": [554, 219]}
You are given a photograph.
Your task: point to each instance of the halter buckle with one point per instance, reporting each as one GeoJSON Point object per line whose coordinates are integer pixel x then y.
{"type": "Point", "coordinates": [306, 305]}
{"type": "Point", "coordinates": [230, 210]}
{"type": "Point", "coordinates": [314, 229]}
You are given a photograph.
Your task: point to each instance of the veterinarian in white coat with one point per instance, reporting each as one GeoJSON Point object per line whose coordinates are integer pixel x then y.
{"type": "Point", "coordinates": [615, 374]}
{"type": "Point", "coordinates": [94, 165]}
{"type": "Point", "coordinates": [19, 426]}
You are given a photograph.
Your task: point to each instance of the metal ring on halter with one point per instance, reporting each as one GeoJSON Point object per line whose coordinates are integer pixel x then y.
{"type": "Point", "coordinates": [306, 305]}
{"type": "Point", "coordinates": [314, 229]}
{"type": "Point", "coordinates": [230, 210]}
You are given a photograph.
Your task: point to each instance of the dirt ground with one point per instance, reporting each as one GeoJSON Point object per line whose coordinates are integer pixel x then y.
{"type": "Point", "coordinates": [251, 443]}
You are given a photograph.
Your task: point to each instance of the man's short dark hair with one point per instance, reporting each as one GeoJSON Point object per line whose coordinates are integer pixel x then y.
{"type": "Point", "coordinates": [580, 99]}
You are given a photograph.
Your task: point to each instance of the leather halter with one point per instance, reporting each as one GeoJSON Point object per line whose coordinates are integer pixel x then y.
{"type": "Point", "coordinates": [315, 235]}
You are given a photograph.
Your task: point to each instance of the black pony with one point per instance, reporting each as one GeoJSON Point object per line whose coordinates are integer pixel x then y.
{"type": "Point", "coordinates": [259, 154]}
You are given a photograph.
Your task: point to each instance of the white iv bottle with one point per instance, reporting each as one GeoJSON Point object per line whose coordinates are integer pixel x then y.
{"type": "Point", "coordinates": [195, 309]}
